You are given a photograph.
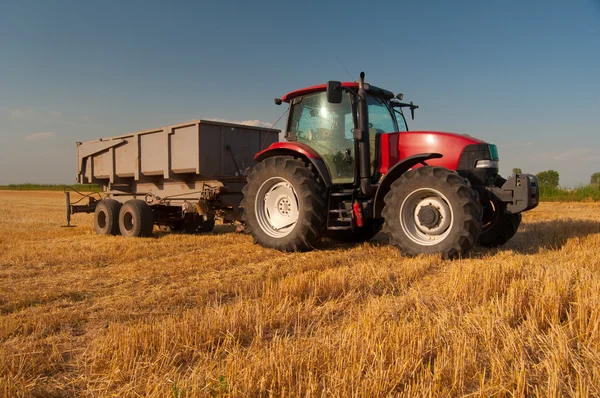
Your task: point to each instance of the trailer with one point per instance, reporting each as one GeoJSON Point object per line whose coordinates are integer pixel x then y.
{"type": "Point", "coordinates": [180, 177]}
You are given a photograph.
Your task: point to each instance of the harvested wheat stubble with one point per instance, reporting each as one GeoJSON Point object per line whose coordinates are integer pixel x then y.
{"type": "Point", "coordinates": [181, 315]}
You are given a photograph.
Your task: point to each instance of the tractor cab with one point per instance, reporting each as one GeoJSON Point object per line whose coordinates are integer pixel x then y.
{"type": "Point", "coordinates": [329, 127]}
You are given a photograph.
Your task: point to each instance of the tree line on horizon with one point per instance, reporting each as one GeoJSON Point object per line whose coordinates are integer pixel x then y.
{"type": "Point", "coordinates": [551, 178]}
{"type": "Point", "coordinates": [550, 190]}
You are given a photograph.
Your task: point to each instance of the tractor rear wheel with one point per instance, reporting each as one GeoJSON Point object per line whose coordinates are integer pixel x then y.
{"type": "Point", "coordinates": [106, 217]}
{"type": "Point", "coordinates": [498, 225]}
{"type": "Point", "coordinates": [432, 210]}
{"type": "Point", "coordinates": [284, 205]}
{"type": "Point", "coordinates": [358, 234]}
{"type": "Point", "coordinates": [136, 218]}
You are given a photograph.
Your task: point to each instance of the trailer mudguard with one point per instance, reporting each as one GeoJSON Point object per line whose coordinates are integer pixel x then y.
{"type": "Point", "coordinates": [394, 173]}
{"type": "Point", "coordinates": [297, 149]}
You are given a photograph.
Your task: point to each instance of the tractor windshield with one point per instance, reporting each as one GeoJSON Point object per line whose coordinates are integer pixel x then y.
{"type": "Point", "coordinates": [381, 117]}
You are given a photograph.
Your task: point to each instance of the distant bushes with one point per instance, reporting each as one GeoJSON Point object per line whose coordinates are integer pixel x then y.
{"type": "Point", "coordinates": [580, 194]}
{"type": "Point", "coordinates": [550, 191]}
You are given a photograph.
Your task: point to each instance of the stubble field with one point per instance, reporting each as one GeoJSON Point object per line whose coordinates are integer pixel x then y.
{"type": "Point", "coordinates": [214, 315]}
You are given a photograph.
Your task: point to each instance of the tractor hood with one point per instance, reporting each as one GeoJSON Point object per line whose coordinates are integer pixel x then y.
{"type": "Point", "coordinates": [445, 136]}
{"type": "Point", "coordinates": [397, 146]}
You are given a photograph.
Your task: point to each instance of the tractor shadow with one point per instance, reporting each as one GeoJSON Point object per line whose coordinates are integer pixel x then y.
{"type": "Point", "coordinates": [326, 244]}
{"type": "Point", "coordinates": [220, 229]}
{"type": "Point", "coordinates": [532, 237]}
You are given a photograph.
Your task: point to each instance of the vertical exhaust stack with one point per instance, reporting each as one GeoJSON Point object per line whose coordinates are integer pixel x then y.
{"type": "Point", "coordinates": [362, 136]}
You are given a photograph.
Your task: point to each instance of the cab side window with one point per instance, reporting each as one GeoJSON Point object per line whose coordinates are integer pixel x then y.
{"type": "Point", "coordinates": [327, 129]}
{"type": "Point", "coordinates": [380, 117]}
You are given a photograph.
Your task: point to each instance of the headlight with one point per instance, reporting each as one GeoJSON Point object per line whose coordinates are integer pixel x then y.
{"type": "Point", "coordinates": [487, 164]}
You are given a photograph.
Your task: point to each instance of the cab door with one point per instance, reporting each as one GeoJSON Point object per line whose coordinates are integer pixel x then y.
{"type": "Point", "coordinates": [328, 129]}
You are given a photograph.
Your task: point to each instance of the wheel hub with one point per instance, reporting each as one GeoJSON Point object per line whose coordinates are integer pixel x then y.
{"type": "Point", "coordinates": [426, 216]}
{"type": "Point", "coordinates": [429, 216]}
{"type": "Point", "coordinates": [284, 206]}
{"type": "Point", "coordinates": [277, 207]}
{"type": "Point", "coordinates": [432, 215]}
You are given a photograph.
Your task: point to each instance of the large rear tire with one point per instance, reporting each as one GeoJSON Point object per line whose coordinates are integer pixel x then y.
{"type": "Point", "coordinates": [106, 217]}
{"type": "Point", "coordinates": [432, 210]}
{"type": "Point", "coordinates": [498, 225]}
{"type": "Point", "coordinates": [284, 206]}
{"type": "Point", "coordinates": [136, 218]}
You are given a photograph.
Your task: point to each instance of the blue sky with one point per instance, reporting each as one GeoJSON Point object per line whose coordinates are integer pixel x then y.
{"type": "Point", "coordinates": [521, 74]}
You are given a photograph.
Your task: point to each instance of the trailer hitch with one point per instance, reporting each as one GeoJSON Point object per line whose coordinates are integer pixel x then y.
{"type": "Point", "coordinates": [73, 208]}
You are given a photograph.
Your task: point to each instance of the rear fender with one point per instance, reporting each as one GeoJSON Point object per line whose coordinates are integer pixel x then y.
{"type": "Point", "coordinates": [297, 150]}
{"type": "Point", "coordinates": [394, 173]}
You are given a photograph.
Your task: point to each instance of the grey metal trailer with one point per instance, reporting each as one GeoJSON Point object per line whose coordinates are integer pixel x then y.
{"type": "Point", "coordinates": [179, 177]}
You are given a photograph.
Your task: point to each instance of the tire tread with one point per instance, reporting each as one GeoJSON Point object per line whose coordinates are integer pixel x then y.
{"type": "Point", "coordinates": [471, 210]}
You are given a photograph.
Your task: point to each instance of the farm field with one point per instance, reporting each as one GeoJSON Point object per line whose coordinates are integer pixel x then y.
{"type": "Point", "coordinates": [215, 315]}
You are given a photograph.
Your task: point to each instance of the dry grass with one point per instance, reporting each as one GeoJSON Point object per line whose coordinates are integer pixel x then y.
{"type": "Point", "coordinates": [215, 315]}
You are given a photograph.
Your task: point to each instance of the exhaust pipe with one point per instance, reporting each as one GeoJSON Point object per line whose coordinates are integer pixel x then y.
{"type": "Point", "coordinates": [364, 154]}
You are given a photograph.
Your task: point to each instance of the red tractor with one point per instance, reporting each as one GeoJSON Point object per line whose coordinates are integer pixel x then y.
{"type": "Point", "coordinates": [350, 167]}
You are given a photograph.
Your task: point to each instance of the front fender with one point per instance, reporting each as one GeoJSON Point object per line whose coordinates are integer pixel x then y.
{"type": "Point", "coordinates": [394, 173]}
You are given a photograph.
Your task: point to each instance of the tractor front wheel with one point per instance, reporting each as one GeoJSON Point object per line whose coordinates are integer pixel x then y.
{"type": "Point", "coordinates": [284, 206]}
{"type": "Point", "coordinates": [432, 210]}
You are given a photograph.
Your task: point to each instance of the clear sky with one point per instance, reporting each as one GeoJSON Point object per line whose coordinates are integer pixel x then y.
{"type": "Point", "coordinates": [522, 74]}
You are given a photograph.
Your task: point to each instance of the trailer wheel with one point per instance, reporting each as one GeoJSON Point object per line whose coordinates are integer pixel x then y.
{"type": "Point", "coordinates": [284, 206]}
{"type": "Point", "coordinates": [498, 225]}
{"type": "Point", "coordinates": [177, 226]}
{"type": "Point", "coordinates": [432, 210]}
{"type": "Point", "coordinates": [136, 218]}
{"type": "Point", "coordinates": [198, 225]}
{"type": "Point", "coordinates": [106, 217]}
{"type": "Point", "coordinates": [206, 226]}
{"type": "Point", "coordinates": [362, 234]}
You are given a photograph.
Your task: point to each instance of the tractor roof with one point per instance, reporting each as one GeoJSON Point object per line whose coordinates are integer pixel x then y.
{"type": "Point", "coordinates": [373, 90]}
{"type": "Point", "coordinates": [313, 89]}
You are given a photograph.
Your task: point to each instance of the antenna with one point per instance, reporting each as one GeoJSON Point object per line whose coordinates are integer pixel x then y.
{"type": "Point", "coordinates": [343, 67]}
{"type": "Point", "coordinates": [270, 128]}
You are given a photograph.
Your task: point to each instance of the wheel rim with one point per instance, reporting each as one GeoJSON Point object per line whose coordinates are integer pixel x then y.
{"type": "Point", "coordinates": [277, 207]}
{"type": "Point", "coordinates": [426, 216]}
{"type": "Point", "coordinates": [490, 216]}
{"type": "Point", "coordinates": [128, 221]}
{"type": "Point", "coordinates": [102, 219]}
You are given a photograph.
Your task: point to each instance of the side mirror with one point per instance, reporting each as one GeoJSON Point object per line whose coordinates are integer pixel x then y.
{"type": "Point", "coordinates": [334, 92]}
